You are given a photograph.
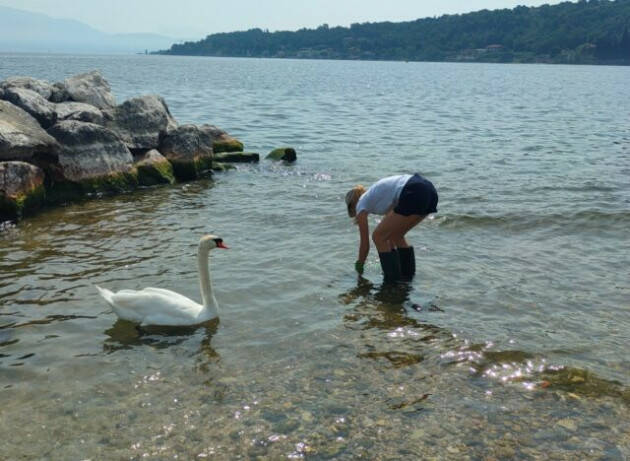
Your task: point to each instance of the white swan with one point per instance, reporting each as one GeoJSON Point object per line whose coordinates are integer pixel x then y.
{"type": "Point", "coordinates": [156, 306]}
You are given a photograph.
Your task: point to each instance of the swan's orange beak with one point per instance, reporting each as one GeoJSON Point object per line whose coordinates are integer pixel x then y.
{"type": "Point", "coordinates": [223, 245]}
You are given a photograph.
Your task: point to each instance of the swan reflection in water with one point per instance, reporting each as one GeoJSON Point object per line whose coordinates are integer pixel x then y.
{"type": "Point", "coordinates": [127, 335]}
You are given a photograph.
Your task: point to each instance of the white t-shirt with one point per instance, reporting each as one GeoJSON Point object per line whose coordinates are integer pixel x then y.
{"type": "Point", "coordinates": [383, 195]}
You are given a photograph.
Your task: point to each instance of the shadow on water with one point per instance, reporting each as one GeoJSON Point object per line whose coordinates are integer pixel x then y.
{"type": "Point", "coordinates": [381, 313]}
{"type": "Point", "coordinates": [391, 333]}
{"type": "Point", "coordinates": [127, 335]}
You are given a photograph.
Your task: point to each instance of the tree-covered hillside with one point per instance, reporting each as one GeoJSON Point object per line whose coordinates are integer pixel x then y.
{"type": "Point", "coordinates": [586, 32]}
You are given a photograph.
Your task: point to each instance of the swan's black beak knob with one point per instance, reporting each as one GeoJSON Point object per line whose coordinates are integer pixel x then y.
{"type": "Point", "coordinates": [220, 244]}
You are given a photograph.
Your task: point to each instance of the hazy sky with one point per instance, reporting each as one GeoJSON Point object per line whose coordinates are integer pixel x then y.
{"type": "Point", "coordinates": [198, 18]}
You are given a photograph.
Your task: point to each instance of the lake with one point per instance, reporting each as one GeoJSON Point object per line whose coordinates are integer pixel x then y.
{"type": "Point", "coordinates": [511, 342]}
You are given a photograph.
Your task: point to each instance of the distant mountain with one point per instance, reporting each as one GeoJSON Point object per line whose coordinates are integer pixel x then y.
{"type": "Point", "coordinates": [583, 32]}
{"type": "Point", "coordinates": [24, 32]}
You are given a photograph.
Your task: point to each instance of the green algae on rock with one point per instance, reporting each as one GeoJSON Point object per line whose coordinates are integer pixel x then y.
{"type": "Point", "coordinates": [21, 189]}
{"type": "Point", "coordinates": [72, 190]}
{"type": "Point", "coordinates": [286, 154]}
{"type": "Point", "coordinates": [153, 169]}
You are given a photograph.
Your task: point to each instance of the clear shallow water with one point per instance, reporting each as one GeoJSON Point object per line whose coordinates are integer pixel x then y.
{"type": "Point", "coordinates": [519, 350]}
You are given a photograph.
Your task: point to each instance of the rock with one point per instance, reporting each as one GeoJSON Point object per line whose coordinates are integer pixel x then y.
{"type": "Point", "coordinates": [21, 189]}
{"type": "Point", "coordinates": [41, 87]}
{"type": "Point", "coordinates": [237, 157]}
{"type": "Point", "coordinates": [218, 166]}
{"type": "Point", "coordinates": [33, 103]}
{"type": "Point", "coordinates": [90, 88]}
{"type": "Point", "coordinates": [91, 159]}
{"type": "Point", "coordinates": [221, 141]}
{"type": "Point", "coordinates": [153, 168]}
{"type": "Point", "coordinates": [140, 122]}
{"type": "Point", "coordinates": [21, 137]}
{"type": "Point", "coordinates": [568, 424]}
{"type": "Point", "coordinates": [79, 111]}
{"type": "Point", "coordinates": [59, 93]}
{"type": "Point", "coordinates": [189, 150]}
{"type": "Point", "coordinates": [286, 154]}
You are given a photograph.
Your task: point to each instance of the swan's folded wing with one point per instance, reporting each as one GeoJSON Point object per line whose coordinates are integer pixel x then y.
{"type": "Point", "coordinates": [155, 306]}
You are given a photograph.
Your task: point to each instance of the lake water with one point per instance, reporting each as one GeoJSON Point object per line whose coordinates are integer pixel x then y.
{"type": "Point", "coordinates": [511, 342]}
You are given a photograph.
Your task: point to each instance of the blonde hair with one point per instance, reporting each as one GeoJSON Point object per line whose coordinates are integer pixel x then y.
{"type": "Point", "coordinates": [352, 197]}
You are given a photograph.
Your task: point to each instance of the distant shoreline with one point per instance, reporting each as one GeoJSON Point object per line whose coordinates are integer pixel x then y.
{"type": "Point", "coordinates": [592, 33]}
{"type": "Point", "coordinates": [541, 62]}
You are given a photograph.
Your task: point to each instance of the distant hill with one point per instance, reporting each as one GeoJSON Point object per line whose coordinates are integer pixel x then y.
{"type": "Point", "coordinates": [23, 31]}
{"type": "Point", "coordinates": [586, 32]}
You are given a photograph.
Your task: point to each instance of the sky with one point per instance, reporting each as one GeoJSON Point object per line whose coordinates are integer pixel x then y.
{"type": "Point", "coordinates": [194, 19]}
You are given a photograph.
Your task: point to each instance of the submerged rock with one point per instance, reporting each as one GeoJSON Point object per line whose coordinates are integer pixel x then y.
{"type": "Point", "coordinates": [140, 122]}
{"type": "Point", "coordinates": [220, 166]}
{"type": "Point", "coordinates": [90, 88]}
{"type": "Point", "coordinates": [286, 154]}
{"type": "Point", "coordinates": [21, 137]}
{"type": "Point", "coordinates": [33, 103]}
{"type": "Point", "coordinates": [153, 168]}
{"type": "Point", "coordinates": [189, 150]}
{"type": "Point", "coordinates": [79, 111]}
{"type": "Point", "coordinates": [91, 159]}
{"type": "Point", "coordinates": [42, 87]}
{"type": "Point", "coordinates": [21, 189]}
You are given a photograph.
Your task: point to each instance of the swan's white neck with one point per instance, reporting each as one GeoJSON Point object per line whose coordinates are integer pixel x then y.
{"type": "Point", "coordinates": [205, 284]}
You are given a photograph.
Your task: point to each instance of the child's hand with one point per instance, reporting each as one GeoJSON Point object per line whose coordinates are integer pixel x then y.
{"type": "Point", "coordinates": [358, 266]}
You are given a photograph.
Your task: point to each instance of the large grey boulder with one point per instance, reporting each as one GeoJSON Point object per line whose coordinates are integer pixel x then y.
{"type": "Point", "coordinates": [21, 189]}
{"type": "Point", "coordinates": [189, 151]}
{"type": "Point", "coordinates": [91, 159]}
{"type": "Point", "coordinates": [220, 140]}
{"type": "Point", "coordinates": [42, 87]}
{"type": "Point", "coordinates": [21, 137]}
{"type": "Point", "coordinates": [79, 111]}
{"type": "Point", "coordinates": [90, 88]}
{"type": "Point", "coordinates": [140, 122]}
{"type": "Point", "coordinates": [33, 103]}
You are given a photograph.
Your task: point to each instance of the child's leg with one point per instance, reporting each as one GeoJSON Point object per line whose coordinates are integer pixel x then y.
{"type": "Point", "coordinates": [390, 232]}
{"type": "Point", "coordinates": [392, 229]}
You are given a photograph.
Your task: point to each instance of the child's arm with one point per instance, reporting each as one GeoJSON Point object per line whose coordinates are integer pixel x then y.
{"type": "Point", "coordinates": [364, 245]}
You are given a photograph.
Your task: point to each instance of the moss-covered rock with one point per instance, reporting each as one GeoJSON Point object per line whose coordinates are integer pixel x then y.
{"type": "Point", "coordinates": [189, 151]}
{"type": "Point", "coordinates": [153, 168]}
{"type": "Point", "coordinates": [67, 191]}
{"type": "Point", "coordinates": [286, 154]}
{"type": "Point", "coordinates": [227, 145]}
{"type": "Point", "coordinates": [237, 157]}
{"type": "Point", "coordinates": [21, 189]}
{"type": "Point", "coordinates": [188, 170]}
{"type": "Point", "coordinates": [219, 139]}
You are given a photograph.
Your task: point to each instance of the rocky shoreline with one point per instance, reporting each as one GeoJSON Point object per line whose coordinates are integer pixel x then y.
{"type": "Point", "coordinates": [64, 141]}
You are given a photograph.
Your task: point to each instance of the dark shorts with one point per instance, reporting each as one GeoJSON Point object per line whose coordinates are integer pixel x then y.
{"type": "Point", "coordinates": [417, 197]}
